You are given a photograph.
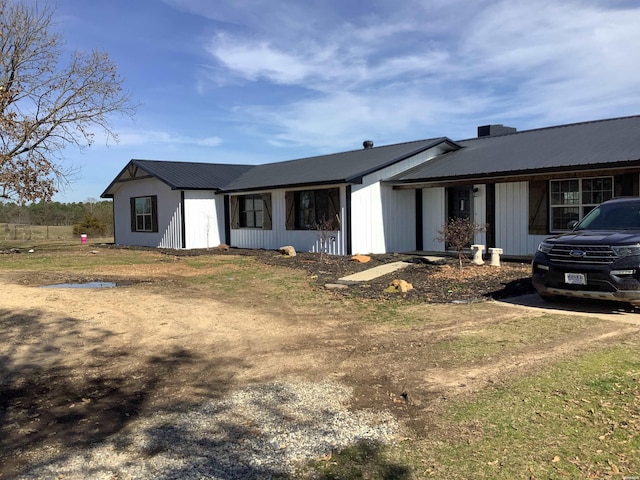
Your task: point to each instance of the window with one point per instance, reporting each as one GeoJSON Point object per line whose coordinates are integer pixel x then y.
{"type": "Point", "coordinates": [307, 209]}
{"type": "Point", "coordinates": [144, 214]}
{"type": "Point", "coordinates": [572, 199]}
{"type": "Point", "coordinates": [250, 211]}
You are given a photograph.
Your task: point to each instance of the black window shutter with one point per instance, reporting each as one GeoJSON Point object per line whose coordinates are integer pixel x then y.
{"type": "Point", "coordinates": [538, 207]}
{"type": "Point", "coordinates": [266, 211]}
{"type": "Point", "coordinates": [334, 208]}
{"type": "Point", "coordinates": [154, 213]}
{"type": "Point", "coordinates": [291, 210]}
{"type": "Point", "coordinates": [623, 185]}
{"type": "Point", "coordinates": [235, 214]}
{"type": "Point", "coordinates": [132, 202]}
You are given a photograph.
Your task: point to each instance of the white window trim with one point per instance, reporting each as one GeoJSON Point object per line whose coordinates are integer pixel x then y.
{"type": "Point", "coordinates": [579, 205]}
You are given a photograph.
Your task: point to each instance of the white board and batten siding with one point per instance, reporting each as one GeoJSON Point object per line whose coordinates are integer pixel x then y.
{"type": "Point", "coordinates": [434, 210]}
{"type": "Point", "coordinates": [279, 236]}
{"type": "Point", "coordinates": [169, 233]}
{"type": "Point", "coordinates": [204, 219]}
{"type": "Point", "coordinates": [479, 210]}
{"type": "Point", "coordinates": [512, 219]}
{"type": "Point", "coordinates": [383, 219]}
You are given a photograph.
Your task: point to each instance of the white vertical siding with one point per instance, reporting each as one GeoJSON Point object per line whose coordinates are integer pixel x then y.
{"type": "Point", "coordinates": [169, 233]}
{"type": "Point", "coordinates": [278, 236]}
{"type": "Point", "coordinates": [383, 219]}
{"type": "Point", "coordinates": [480, 212]}
{"type": "Point", "coordinates": [512, 219]}
{"type": "Point", "coordinates": [204, 219]}
{"type": "Point", "coordinates": [399, 219]}
{"type": "Point", "coordinates": [433, 214]}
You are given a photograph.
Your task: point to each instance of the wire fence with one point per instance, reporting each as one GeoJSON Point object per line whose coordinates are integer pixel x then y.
{"type": "Point", "coordinates": [26, 232]}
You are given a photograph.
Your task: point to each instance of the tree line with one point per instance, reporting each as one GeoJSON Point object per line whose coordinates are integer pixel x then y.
{"type": "Point", "coordinates": [90, 216]}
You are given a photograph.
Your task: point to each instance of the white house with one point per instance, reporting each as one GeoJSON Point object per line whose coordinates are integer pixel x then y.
{"type": "Point", "coordinates": [523, 185]}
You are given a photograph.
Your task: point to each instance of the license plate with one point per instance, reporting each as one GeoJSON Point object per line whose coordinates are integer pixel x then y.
{"type": "Point", "coordinates": [575, 278]}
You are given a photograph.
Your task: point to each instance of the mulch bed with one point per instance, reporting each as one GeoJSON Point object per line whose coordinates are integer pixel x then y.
{"type": "Point", "coordinates": [436, 282]}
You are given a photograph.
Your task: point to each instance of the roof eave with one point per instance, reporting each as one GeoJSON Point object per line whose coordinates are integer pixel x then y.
{"type": "Point", "coordinates": [289, 185]}
{"type": "Point", "coordinates": [484, 177]}
{"type": "Point", "coordinates": [360, 175]}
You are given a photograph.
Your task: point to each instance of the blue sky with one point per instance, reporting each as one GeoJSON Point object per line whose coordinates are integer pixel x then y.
{"type": "Point", "coordinates": [255, 81]}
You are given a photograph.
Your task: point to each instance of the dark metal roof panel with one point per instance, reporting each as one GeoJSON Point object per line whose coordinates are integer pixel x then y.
{"type": "Point", "coordinates": [182, 175]}
{"type": "Point", "coordinates": [324, 169]}
{"type": "Point", "coordinates": [562, 147]}
{"type": "Point", "coordinates": [192, 176]}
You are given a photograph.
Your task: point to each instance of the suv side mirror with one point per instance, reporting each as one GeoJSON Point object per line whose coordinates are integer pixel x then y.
{"type": "Point", "coordinates": [572, 224]}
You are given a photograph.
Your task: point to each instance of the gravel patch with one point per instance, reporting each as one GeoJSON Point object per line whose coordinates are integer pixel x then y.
{"type": "Point", "coordinates": [258, 432]}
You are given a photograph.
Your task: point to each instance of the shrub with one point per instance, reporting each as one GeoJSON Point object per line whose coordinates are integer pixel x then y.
{"type": "Point", "coordinates": [90, 225]}
{"type": "Point", "coordinates": [458, 234]}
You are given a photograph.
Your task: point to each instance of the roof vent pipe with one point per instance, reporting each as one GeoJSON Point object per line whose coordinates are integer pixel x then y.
{"type": "Point", "coordinates": [367, 144]}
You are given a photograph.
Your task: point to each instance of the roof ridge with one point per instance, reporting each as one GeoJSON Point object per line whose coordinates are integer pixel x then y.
{"type": "Point", "coordinates": [552, 127]}
{"type": "Point", "coordinates": [442, 137]}
{"type": "Point", "coordinates": [193, 163]}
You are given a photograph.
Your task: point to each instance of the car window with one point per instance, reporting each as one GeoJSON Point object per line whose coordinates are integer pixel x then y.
{"type": "Point", "coordinates": [616, 216]}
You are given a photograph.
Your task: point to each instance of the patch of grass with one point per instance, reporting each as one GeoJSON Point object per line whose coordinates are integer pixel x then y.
{"type": "Point", "coordinates": [365, 460]}
{"type": "Point", "coordinates": [579, 419]}
{"type": "Point", "coordinates": [250, 280]}
{"type": "Point", "coordinates": [480, 345]}
{"type": "Point", "coordinates": [76, 257]}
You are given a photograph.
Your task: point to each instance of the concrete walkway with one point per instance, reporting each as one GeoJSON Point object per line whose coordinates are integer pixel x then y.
{"type": "Point", "coordinates": [372, 273]}
{"type": "Point", "coordinates": [616, 312]}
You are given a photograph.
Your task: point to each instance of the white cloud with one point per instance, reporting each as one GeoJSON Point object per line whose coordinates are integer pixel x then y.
{"type": "Point", "coordinates": [418, 68]}
{"type": "Point", "coordinates": [154, 137]}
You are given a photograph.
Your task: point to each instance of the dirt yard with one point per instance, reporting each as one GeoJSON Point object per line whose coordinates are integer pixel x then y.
{"type": "Point", "coordinates": [79, 364]}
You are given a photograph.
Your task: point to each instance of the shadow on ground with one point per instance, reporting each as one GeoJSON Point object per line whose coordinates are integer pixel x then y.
{"type": "Point", "coordinates": [615, 311]}
{"type": "Point", "coordinates": [53, 399]}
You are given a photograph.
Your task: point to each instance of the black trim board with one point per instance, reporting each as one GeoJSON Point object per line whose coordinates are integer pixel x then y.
{"type": "Point", "coordinates": [347, 221]}
{"type": "Point", "coordinates": [183, 227]}
{"type": "Point", "coordinates": [419, 221]}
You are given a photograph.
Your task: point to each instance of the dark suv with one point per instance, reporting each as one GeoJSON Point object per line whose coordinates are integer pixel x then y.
{"type": "Point", "coordinates": [599, 258]}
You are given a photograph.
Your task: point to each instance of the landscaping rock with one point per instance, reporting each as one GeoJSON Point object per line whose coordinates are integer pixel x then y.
{"type": "Point", "coordinates": [401, 286]}
{"type": "Point", "coordinates": [361, 258]}
{"type": "Point", "coordinates": [287, 251]}
{"type": "Point", "coordinates": [335, 286]}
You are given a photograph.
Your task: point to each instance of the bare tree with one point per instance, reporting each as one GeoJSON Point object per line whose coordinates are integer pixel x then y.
{"type": "Point", "coordinates": [48, 102]}
{"type": "Point", "coordinates": [458, 234]}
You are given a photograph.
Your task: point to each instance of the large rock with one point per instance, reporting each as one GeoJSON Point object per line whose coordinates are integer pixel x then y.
{"type": "Point", "coordinates": [401, 286]}
{"type": "Point", "coordinates": [288, 251]}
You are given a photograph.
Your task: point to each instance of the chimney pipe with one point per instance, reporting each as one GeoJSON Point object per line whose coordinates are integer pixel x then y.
{"type": "Point", "coordinates": [367, 144]}
{"type": "Point", "coordinates": [495, 130]}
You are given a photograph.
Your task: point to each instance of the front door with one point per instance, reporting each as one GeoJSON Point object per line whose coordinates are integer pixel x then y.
{"type": "Point", "coordinates": [459, 205]}
{"type": "Point", "coordinates": [459, 202]}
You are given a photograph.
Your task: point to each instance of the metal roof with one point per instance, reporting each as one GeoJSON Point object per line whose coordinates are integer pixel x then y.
{"type": "Point", "coordinates": [574, 146]}
{"type": "Point", "coordinates": [587, 145]}
{"type": "Point", "coordinates": [181, 175]}
{"type": "Point", "coordinates": [345, 167]}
